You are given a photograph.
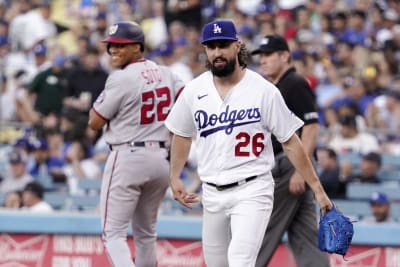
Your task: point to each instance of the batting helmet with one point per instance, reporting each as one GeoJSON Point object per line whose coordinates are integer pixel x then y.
{"type": "Point", "coordinates": [125, 33]}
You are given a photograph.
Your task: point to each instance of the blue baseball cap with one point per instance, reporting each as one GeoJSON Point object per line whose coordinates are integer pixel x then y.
{"type": "Point", "coordinates": [378, 198]}
{"type": "Point", "coordinates": [17, 157]}
{"type": "Point", "coordinates": [40, 49]}
{"type": "Point", "coordinates": [219, 30]}
{"type": "Point", "coordinates": [166, 49]}
{"type": "Point", "coordinates": [40, 144]}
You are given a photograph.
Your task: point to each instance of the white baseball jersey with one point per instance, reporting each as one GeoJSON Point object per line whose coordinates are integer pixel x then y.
{"type": "Point", "coordinates": [238, 128]}
{"type": "Point", "coordinates": [143, 88]}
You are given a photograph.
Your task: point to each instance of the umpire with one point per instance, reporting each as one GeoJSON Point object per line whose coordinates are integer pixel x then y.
{"type": "Point", "coordinates": [294, 207]}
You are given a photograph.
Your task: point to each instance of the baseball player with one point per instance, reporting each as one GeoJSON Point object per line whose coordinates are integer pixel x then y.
{"type": "Point", "coordinates": [294, 205]}
{"type": "Point", "coordinates": [231, 112]}
{"type": "Point", "coordinates": [133, 106]}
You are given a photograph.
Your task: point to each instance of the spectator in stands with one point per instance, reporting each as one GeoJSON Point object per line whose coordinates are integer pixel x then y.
{"type": "Point", "coordinates": [350, 139]}
{"type": "Point", "coordinates": [384, 112]}
{"type": "Point", "coordinates": [187, 12]}
{"type": "Point", "coordinates": [23, 105]}
{"type": "Point", "coordinates": [339, 23]}
{"type": "Point", "coordinates": [355, 33]}
{"type": "Point", "coordinates": [18, 176]}
{"type": "Point", "coordinates": [48, 88]}
{"type": "Point", "coordinates": [79, 165]}
{"type": "Point", "coordinates": [329, 172]}
{"type": "Point", "coordinates": [7, 100]}
{"type": "Point", "coordinates": [167, 56]}
{"type": "Point", "coordinates": [41, 60]}
{"type": "Point", "coordinates": [46, 166]}
{"type": "Point", "coordinates": [355, 94]}
{"type": "Point", "coordinates": [380, 208]}
{"type": "Point", "coordinates": [32, 198]}
{"type": "Point", "coordinates": [85, 82]}
{"type": "Point", "coordinates": [27, 28]}
{"type": "Point", "coordinates": [369, 167]}
{"type": "Point", "coordinates": [73, 124]}
{"type": "Point", "coordinates": [13, 200]}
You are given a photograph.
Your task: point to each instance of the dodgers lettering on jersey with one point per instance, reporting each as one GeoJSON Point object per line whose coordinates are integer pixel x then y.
{"type": "Point", "coordinates": [238, 128]}
{"type": "Point", "coordinates": [228, 118]}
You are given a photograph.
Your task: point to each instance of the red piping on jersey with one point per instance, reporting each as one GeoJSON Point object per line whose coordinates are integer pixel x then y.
{"type": "Point", "coordinates": [98, 114]}
{"type": "Point", "coordinates": [108, 192]}
{"type": "Point", "coordinates": [179, 93]}
{"type": "Point", "coordinates": [137, 61]}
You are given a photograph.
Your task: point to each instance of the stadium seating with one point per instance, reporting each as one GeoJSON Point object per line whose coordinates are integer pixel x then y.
{"type": "Point", "coordinates": [89, 185]}
{"type": "Point", "coordinates": [359, 209]}
{"type": "Point", "coordinates": [363, 191]}
{"type": "Point", "coordinates": [58, 200]}
{"type": "Point", "coordinates": [2, 198]}
{"type": "Point", "coordinates": [84, 202]}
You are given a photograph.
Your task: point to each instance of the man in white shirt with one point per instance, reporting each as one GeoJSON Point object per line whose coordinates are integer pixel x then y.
{"type": "Point", "coordinates": [18, 176]}
{"type": "Point", "coordinates": [32, 198]}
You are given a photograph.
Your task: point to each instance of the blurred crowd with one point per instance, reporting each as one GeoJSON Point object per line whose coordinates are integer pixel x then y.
{"type": "Point", "coordinates": [53, 66]}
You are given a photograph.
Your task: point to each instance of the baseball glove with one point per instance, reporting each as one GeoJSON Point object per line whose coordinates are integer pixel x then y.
{"type": "Point", "coordinates": [335, 232]}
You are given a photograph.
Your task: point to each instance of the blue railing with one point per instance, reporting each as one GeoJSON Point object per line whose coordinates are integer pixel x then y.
{"type": "Point", "coordinates": [168, 227]}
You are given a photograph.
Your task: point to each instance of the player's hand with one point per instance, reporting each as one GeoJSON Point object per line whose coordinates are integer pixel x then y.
{"type": "Point", "coordinates": [325, 204]}
{"type": "Point", "coordinates": [181, 195]}
{"type": "Point", "coordinates": [297, 185]}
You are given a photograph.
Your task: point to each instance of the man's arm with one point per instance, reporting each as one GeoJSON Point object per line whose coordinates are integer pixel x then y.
{"type": "Point", "coordinates": [96, 122]}
{"type": "Point", "coordinates": [297, 155]}
{"type": "Point", "coordinates": [309, 139]}
{"type": "Point", "coordinates": [180, 148]}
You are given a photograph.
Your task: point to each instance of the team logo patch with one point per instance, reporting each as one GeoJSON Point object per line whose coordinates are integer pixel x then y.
{"type": "Point", "coordinates": [113, 29]}
{"type": "Point", "coordinates": [264, 41]}
{"type": "Point", "coordinates": [217, 28]}
{"type": "Point", "coordinates": [101, 97]}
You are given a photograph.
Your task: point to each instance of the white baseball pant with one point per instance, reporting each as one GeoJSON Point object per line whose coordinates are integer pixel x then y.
{"type": "Point", "coordinates": [234, 222]}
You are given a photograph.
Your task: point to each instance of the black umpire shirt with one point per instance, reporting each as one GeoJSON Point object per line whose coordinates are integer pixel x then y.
{"type": "Point", "coordinates": [299, 98]}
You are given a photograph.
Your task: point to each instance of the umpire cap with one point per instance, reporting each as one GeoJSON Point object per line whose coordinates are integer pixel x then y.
{"type": "Point", "coordinates": [271, 43]}
{"type": "Point", "coordinates": [125, 32]}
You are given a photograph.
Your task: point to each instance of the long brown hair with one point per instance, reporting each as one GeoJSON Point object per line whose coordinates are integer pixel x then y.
{"type": "Point", "coordinates": [243, 55]}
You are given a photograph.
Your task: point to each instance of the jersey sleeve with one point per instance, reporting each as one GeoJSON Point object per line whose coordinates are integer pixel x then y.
{"type": "Point", "coordinates": [109, 101]}
{"type": "Point", "coordinates": [280, 120]}
{"type": "Point", "coordinates": [306, 109]}
{"type": "Point", "coordinates": [179, 120]}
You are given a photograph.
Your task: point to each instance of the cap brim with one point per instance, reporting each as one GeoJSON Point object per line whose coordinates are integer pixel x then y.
{"type": "Point", "coordinates": [117, 40]}
{"type": "Point", "coordinates": [259, 51]}
{"type": "Point", "coordinates": [217, 38]}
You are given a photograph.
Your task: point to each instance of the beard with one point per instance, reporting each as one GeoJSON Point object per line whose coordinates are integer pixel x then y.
{"type": "Point", "coordinates": [224, 71]}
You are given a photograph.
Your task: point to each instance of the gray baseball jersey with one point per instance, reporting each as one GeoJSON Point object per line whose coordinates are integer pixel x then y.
{"type": "Point", "coordinates": [135, 102]}
{"type": "Point", "coordinates": [143, 88]}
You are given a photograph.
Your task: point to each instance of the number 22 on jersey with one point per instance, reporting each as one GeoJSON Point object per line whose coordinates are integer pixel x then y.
{"type": "Point", "coordinates": [155, 105]}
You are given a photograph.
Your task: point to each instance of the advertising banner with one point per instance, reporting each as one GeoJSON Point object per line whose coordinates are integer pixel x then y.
{"type": "Point", "coordinates": [28, 250]}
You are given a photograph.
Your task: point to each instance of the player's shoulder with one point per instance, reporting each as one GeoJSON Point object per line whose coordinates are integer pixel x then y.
{"type": "Point", "coordinates": [294, 77]}
{"type": "Point", "coordinates": [258, 82]}
{"type": "Point", "coordinates": [115, 75]}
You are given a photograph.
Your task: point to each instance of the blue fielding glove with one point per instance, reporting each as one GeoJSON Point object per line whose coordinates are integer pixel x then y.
{"type": "Point", "coordinates": [335, 232]}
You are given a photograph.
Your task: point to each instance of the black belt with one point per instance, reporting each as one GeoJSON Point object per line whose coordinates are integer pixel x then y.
{"type": "Point", "coordinates": [160, 144]}
{"type": "Point", "coordinates": [227, 186]}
